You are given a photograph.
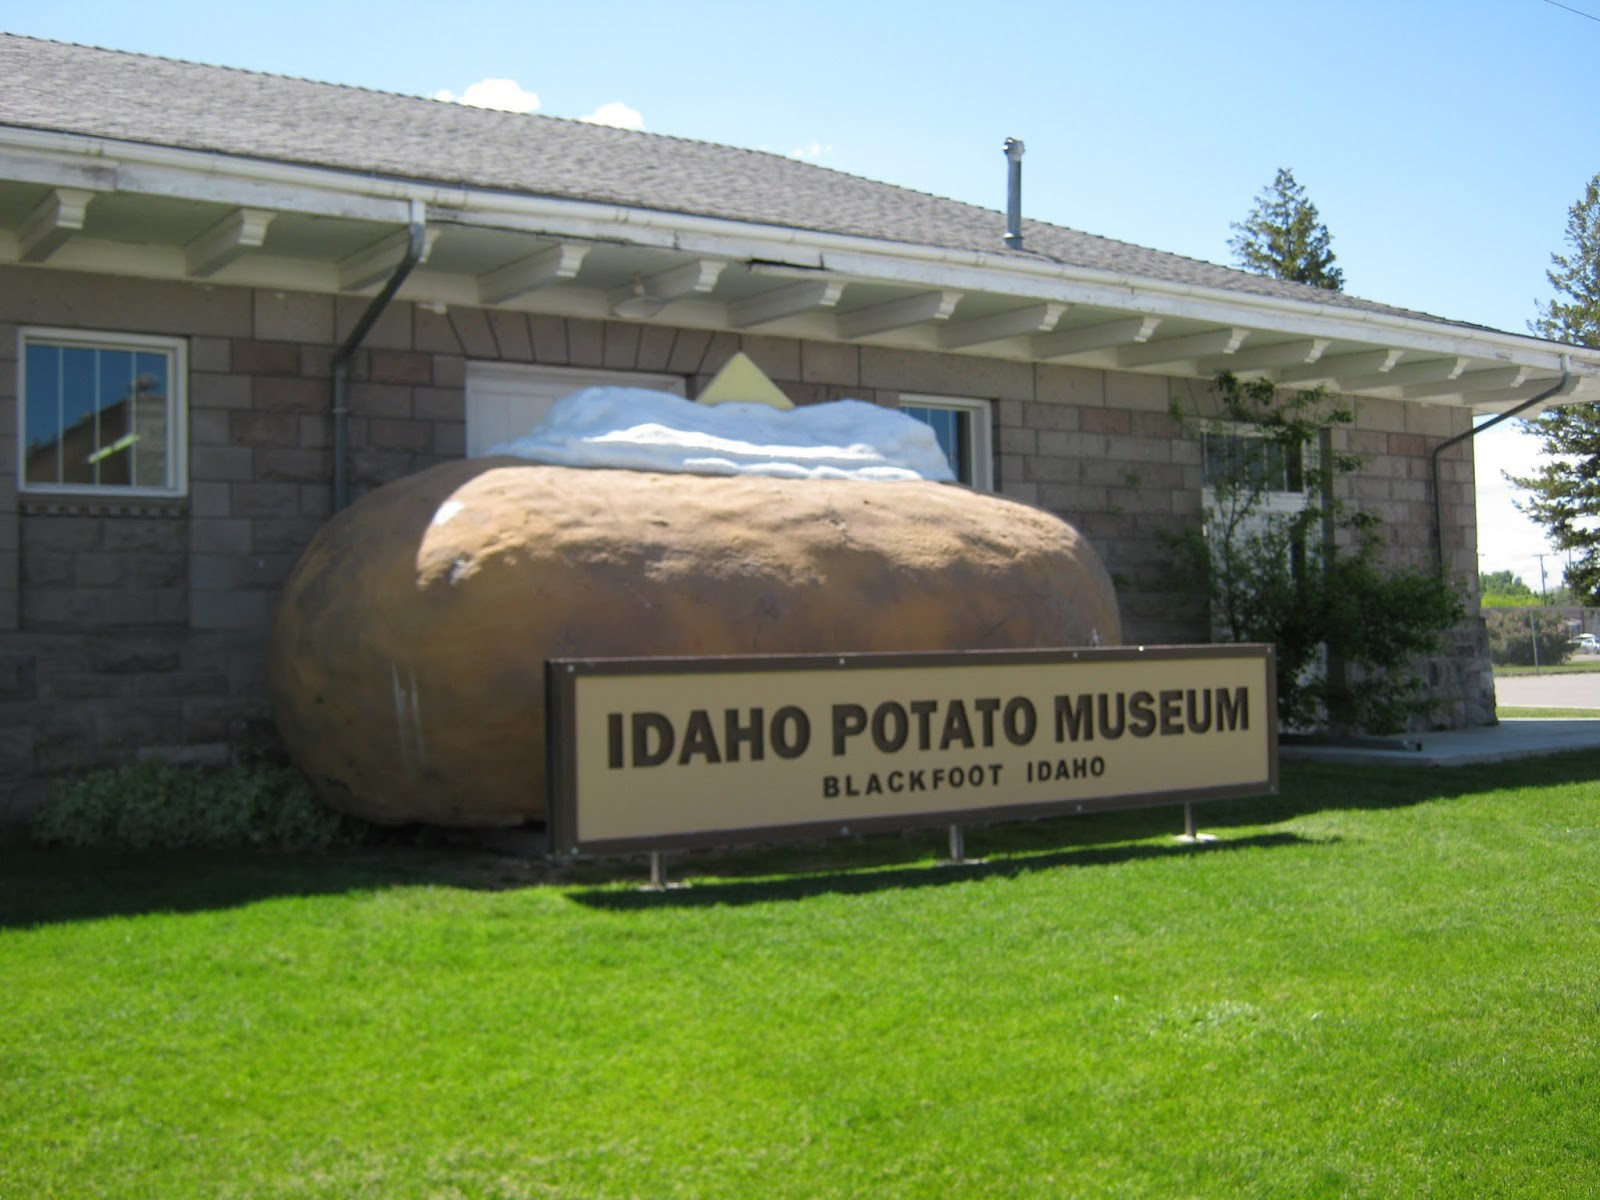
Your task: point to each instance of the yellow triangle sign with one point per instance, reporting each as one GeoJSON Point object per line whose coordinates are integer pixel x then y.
{"type": "Point", "coordinates": [742, 382]}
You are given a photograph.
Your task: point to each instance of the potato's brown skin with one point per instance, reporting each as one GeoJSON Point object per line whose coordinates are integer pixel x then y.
{"type": "Point", "coordinates": [407, 662]}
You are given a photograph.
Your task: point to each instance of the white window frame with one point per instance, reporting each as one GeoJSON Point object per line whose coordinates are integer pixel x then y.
{"type": "Point", "coordinates": [177, 448]}
{"type": "Point", "coordinates": [980, 431]}
{"type": "Point", "coordinates": [492, 384]}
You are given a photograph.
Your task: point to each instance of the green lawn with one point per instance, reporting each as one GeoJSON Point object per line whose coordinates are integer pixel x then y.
{"type": "Point", "coordinates": [1379, 984]}
{"type": "Point", "coordinates": [1585, 666]}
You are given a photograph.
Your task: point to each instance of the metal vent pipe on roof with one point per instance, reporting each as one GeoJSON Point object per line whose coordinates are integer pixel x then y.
{"type": "Point", "coordinates": [1014, 149]}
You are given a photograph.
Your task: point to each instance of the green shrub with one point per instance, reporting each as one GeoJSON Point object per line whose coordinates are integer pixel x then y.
{"type": "Point", "coordinates": [160, 806]}
{"type": "Point", "coordinates": [1512, 633]}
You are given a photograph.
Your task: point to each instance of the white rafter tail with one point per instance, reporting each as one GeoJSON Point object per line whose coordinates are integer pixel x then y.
{"type": "Point", "coordinates": [548, 267]}
{"type": "Point", "coordinates": [366, 268]}
{"type": "Point", "coordinates": [1434, 370]}
{"type": "Point", "coordinates": [53, 221]}
{"type": "Point", "coordinates": [238, 233]}
{"type": "Point", "coordinates": [694, 278]}
{"type": "Point", "coordinates": [1089, 338]}
{"type": "Point", "coordinates": [789, 301]}
{"type": "Point", "coordinates": [898, 314]}
{"type": "Point", "coordinates": [1469, 382]}
{"type": "Point", "coordinates": [1018, 322]}
{"type": "Point", "coordinates": [1341, 367]}
{"type": "Point", "coordinates": [1215, 342]}
{"type": "Point", "coordinates": [1266, 358]}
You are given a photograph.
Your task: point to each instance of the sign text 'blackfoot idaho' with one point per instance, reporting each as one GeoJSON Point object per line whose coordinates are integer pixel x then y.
{"type": "Point", "coordinates": [659, 752]}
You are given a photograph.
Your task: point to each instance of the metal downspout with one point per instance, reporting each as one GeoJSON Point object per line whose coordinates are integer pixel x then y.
{"type": "Point", "coordinates": [341, 361]}
{"type": "Point", "coordinates": [1559, 388]}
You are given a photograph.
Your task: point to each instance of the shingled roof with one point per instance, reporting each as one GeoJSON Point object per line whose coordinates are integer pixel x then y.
{"type": "Point", "coordinates": [63, 88]}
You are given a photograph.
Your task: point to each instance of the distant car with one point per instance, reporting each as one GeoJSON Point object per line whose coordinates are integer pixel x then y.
{"type": "Point", "coordinates": [1588, 644]}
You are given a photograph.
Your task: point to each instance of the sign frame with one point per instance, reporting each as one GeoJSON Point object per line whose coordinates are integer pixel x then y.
{"type": "Point", "coordinates": [563, 677]}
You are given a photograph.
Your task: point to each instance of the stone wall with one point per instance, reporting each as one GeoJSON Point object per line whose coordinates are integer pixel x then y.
{"type": "Point", "coordinates": [139, 627]}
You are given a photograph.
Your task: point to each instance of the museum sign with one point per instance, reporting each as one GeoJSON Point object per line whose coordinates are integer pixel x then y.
{"type": "Point", "coordinates": [655, 753]}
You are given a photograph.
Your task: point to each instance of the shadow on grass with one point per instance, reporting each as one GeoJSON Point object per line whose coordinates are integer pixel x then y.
{"type": "Point", "coordinates": [50, 886]}
{"type": "Point", "coordinates": [713, 892]}
{"type": "Point", "coordinates": [40, 887]}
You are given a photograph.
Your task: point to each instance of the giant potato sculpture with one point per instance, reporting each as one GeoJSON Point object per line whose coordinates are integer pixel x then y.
{"type": "Point", "coordinates": [407, 666]}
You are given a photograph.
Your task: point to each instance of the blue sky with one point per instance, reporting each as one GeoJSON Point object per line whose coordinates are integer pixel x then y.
{"type": "Point", "coordinates": [1443, 143]}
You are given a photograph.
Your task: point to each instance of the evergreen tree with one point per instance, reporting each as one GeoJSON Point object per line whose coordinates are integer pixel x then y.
{"type": "Point", "coordinates": [1283, 237]}
{"type": "Point", "coordinates": [1566, 489]}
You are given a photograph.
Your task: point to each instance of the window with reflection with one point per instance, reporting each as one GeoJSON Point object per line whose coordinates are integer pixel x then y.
{"type": "Point", "coordinates": [101, 412]}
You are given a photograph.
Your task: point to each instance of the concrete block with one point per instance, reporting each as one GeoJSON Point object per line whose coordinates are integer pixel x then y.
{"type": "Point", "coordinates": [1375, 414]}
{"type": "Point", "coordinates": [946, 374]}
{"type": "Point", "coordinates": [219, 391]}
{"type": "Point", "coordinates": [222, 463]}
{"type": "Point", "coordinates": [400, 366]}
{"type": "Point", "coordinates": [549, 340]}
{"type": "Point", "coordinates": [293, 464]}
{"type": "Point", "coordinates": [655, 347]}
{"type": "Point", "coordinates": [264, 428]}
{"type": "Point", "coordinates": [84, 300]}
{"type": "Point", "coordinates": [1080, 387]}
{"type": "Point", "coordinates": [293, 317]}
{"type": "Point", "coordinates": [292, 394]}
{"type": "Point", "coordinates": [831, 363]}
{"type": "Point", "coordinates": [1143, 393]}
{"type": "Point", "coordinates": [432, 332]}
{"type": "Point", "coordinates": [387, 400]}
{"type": "Point", "coordinates": [392, 331]}
{"type": "Point", "coordinates": [264, 499]}
{"type": "Point", "coordinates": [386, 434]}
{"type": "Point", "coordinates": [210, 354]}
{"type": "Point", "coordinates": [586, 342]}
{"type": "Point", "coordinates": [439, 403]}
{"type": "Point", "coordinates": [251, 357]}
{"type": "Point", "coordinates": [513, 340]}
{"type": "Point", "coordinates": [688, 351]}
{"type": "Point", "coordinates": [1012, 440]}
{"type": "Point", "coordinates": [620, 345]}
{"type": "Point", "coordinates": [218, 535]}
{"type": "Point", "coordinates": [779, 357]}
{"type": "Point", "coordinates": [449, 439]}
{"type": "Point", "coordinates": [1105, 420]}
{"type": "Point", "coordinates": [1052, 417]}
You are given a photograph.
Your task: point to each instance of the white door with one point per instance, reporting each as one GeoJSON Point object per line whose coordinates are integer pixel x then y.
{"type": "Point", "coordinates": [506, 400]}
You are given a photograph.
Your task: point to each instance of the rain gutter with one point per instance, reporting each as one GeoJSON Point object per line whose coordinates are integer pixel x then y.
{"type": "Point", "coordinates": [1559, 388]}
{"type": "Point", "coordinates": [415, 242]}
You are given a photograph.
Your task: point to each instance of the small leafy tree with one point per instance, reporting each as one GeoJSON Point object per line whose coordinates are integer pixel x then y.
{"type": "Point", "coordinates": [1566, 489]}
{"type": "Point", "coordinates": [1284, 238]}
{"type": "Point", "coordinates": [1306, 577]}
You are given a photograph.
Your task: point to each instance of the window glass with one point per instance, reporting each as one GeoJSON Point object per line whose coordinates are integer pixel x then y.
{"type": "Point", "coordinates": [952, 428]}
{"type": "Point", "coordinates": [1249, 460]}
{"type": "Point", "coordinates": [100, 412]}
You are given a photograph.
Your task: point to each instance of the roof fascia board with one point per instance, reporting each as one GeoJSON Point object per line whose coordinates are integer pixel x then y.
{"type": "Point", "coordinates": [103, 164]}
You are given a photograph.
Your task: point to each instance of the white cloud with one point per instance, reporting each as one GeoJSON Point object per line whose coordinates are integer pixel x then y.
{"type": "Point", "coordinates": [812, 150]}
{"type": "Point", "coordinates": [504, 94]}
{"type": "Point", "coordinates": [1508, 540]}
{"type": "Point", "coordinates": [616, 114]}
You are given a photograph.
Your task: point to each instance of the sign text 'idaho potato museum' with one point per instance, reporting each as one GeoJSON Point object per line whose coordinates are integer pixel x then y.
{"type": "Point", "coordinates": [650, 753]}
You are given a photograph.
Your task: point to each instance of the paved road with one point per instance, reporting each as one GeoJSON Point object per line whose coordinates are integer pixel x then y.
{"type": "Point", "coordinates": [1549, 691]}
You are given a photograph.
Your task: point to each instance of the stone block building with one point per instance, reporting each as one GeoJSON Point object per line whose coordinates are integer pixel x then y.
{"type": "Point", "coordinates": [230, 303]}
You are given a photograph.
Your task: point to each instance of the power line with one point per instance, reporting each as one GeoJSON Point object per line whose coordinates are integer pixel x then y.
{"type": "Point", "coordinates": [1570, 9]}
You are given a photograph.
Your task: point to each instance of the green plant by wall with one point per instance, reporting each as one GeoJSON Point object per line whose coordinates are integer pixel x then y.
{"type": "Point", "coordinates": [161, 806]}
{"type": "Point", "coordinates": [1280, 559]}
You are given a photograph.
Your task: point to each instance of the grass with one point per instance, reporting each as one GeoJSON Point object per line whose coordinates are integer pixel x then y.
{"type": "Point", "coordinates": [1507, 713]}
{"type": "Point", "coordinates": [1378, 984]}
{"type": "Point", "coordinates": [1586, 667]}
